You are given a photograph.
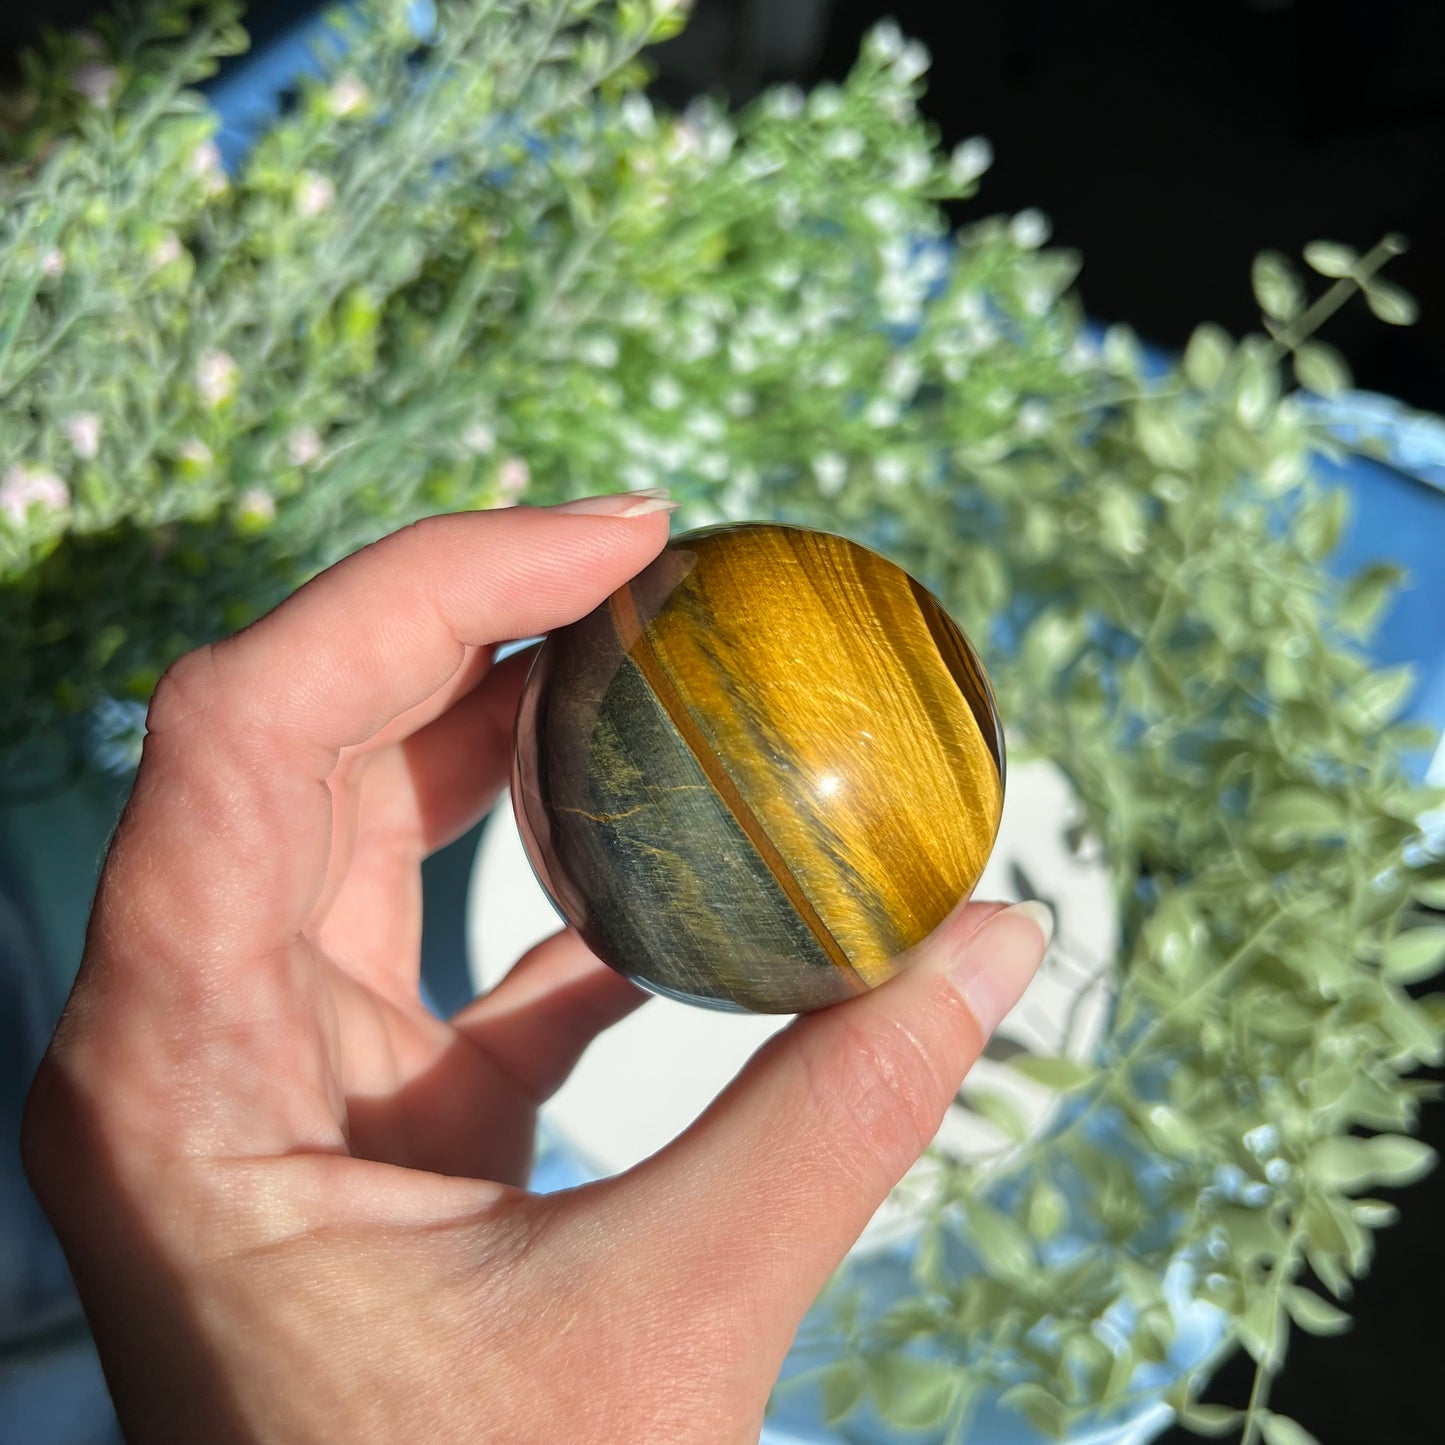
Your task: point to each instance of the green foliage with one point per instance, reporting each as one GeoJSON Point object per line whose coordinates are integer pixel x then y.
{"type": "Point", "coordinates": [479, 267]}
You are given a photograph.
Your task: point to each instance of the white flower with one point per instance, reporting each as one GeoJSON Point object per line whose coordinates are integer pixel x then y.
{"type": "Point", "coordinates": [970, 306]}
{"type": "Point", "coordinates": [825, 102]}
{"type": "Point", "coordinates": [254, 505]}
{"type": "Point", "coordinates": [205, 165]}
{"type": "Point", "coordinates": [785, 275]}
{"type": "Point", "coordinates": [82, 431]}
{"type": "Point", "coordinates": [665, 394]}
{"type": "Point", "coordinates": [636, 114]}
{"type": "Point", "coordinates": [303, 446]}
{"type": "Point", "coordinates": [1030, 229]}
{"type": "Point", "coordinates": [512, 478]}
{"type": "Point", "coordinates": [314, 194]}
{"type": "Point", "coordinates": [707, 426]}
{"type": "Point", "coordinates": [901, 377]}
{"type": "Point", "coordinates": [785, 103]}
{"type": "Point", "coordinates": [479, 438]}
{"type": "Point", "coordinates": [891, 471]}
{"type": "Point", "coordinates": [884, 41]}
{"type": "Point", "coordinates": [686, 140]}
{"type": "Point", "coordinates": [742, 355]}
{"type": "Point", "coordinates": [347, 96]}
{"type": "Point", "coordinates": [912, 62]}
{"type": "Point", "coordinates": [1033, 417]}
{"type": "Point", "coordinates": [912, 168]}
{"type": "Point", "coordinates": [740, 402]}
{"type": "Point", "coordinates": [597, 351]}
{"type": "Point", "coordinates": [637, 477]}
{"type": "Point", "coordinates": [883, 212]}
{"type": "Point", "coordinates": [704, 130]}
{"type": "Point", "coordinates": [833, 372]}
{"type": "Point", "coordinates": [216, 377]}
{"type": "Point", "coordinates": [881, 412]}
{"type": "Point", "coordinates": [166, 250]}
{"type": "Point", "coordinates": [24, 487]}
{"type": "Point", "coordinates": [789, 209]}
{"type": "Point", "coordinates": [1037, 299]}
{"type": "Point", "coordinates": [195, 452]}
{"type": "Point", "coordinates": [52, 263]}
{"type": "Point", "coordinates": [698, 340]}
{"type": "Point", "coordinates": [96, 82]}
{"type": "Point", "coordinates": [970, 159]}
{"type": "Point", "coordinates": [831, 471]}
{"type": "Point", "coordinates": [758, 163]}
{"type": "Point", "coordinates": [847, 145]}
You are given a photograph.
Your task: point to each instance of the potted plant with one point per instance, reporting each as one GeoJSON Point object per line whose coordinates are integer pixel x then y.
{"type": "Point", "coordinates": [471, 265]}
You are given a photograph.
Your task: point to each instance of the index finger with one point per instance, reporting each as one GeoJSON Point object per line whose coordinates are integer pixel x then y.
{"type": "Point", "coordinates": [224, 844]}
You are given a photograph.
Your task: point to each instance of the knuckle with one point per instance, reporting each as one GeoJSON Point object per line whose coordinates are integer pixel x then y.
{"type": "Point", "coordinates": [879, 1093]}
{"type": "Point", "coordinates": [186, 695]}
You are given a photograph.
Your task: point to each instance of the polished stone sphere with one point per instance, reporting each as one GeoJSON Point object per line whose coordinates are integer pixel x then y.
{"type": "Point", "coordinates": [760, 770]}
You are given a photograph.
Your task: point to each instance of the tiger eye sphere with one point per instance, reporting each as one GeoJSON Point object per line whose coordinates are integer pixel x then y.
{"type": "Point", "coordinates": [760, 770]}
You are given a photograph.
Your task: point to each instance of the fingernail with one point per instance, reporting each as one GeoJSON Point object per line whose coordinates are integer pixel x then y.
{"type": "Point", "coordinates": [997, 961]}
{"type": "Point", "coordinates": [621, 504]}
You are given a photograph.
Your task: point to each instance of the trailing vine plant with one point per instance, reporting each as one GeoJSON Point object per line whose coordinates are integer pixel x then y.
{"type": "Point", "coordinates": [470, 264]}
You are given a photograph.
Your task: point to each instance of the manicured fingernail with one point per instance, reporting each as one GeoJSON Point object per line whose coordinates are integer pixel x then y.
{"type": "Point", "coordinates": [996, 963]}
{"type": "Point", "coordinates": [621, 504]}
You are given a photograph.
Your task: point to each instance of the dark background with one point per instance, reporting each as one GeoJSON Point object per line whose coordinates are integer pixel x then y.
{"type": "Point", "coordinates": [1170, 142]}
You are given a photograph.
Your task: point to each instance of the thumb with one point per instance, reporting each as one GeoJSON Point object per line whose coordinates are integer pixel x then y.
{"type": "Point", "coordinates": [770, 1188]}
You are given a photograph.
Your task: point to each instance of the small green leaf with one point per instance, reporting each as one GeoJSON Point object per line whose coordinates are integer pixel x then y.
{"type": "Point", "coordinates": [1256, 389]}
{"type": "Point", "coordinates": [1413, 955]}
{"type": "Point", "coordinates": [1314, 1314]}
{"type": "Point", "coordinates": [1321, 369]}
{"type": "Point", "coordinates": [1391, 303]}
{"type": "Point", "coordinates": [1281, 1430]}
{"type": "Point", "coordinates": [841, 1387]}
{"type": "Point", "coordinates": [1171, 1131]}
{"type": "Point", "coordinates": [1366, 596]}
{"type": "Point", "coordinates": [1276, 287]}
{"type": "Point", "coordinates": [1374, 1213]}
{"type": "Point", "coordinates": [1318, 527]}
{"type": "Point", "coordinates": [1211, 1420]}
{"type": "Point", "coordinates": [1047, 1212]}
{"type": "Point", "coordinates": [1348, 1163]}
{"type": "Point", "coordinates": [1299, 812]}
{"type": "Point", "coordinates": [913, 1393]}
{"type": "Point", "coordinates": [1052, 1070]}
{"type": "Point", "coordinates": [1207, 356]}
{"type": "Point", "coordinates": [1430, 892]}
{"type": "Point", "coordinates": [1329, 258]}
{"type": "Point", "coordinates": [1261, 1329]}
{"type": "Point", "coordinates": [1000, 1111]}
{"type": "Point", "coordinates": [1383, 694]}
{"type": "Point", "coordinates": [1001, 1241]}
{"type": "Point", "coordinates": [1042, 1409]}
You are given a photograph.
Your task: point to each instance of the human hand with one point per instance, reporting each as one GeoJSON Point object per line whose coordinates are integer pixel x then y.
{"type": "Point", "coordinates": [292, 1199]}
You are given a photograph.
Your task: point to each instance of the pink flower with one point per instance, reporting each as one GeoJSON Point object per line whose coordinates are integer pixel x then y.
{"type": "Point", "coordinates": [348, 96]}
{"type": "Point", "coordinates": [216, 377]}
{"type": "Point", "coordinates": [303, 446]}
{"type": "Point", "coordinates": [166, 250]}
{"type": "Point", "coordinates": [512, 478]}
{"type": "Point", "coordinates": [256, 506]}
{"type": "Point", "coordinates": [24, 487]}
{"type": "Point", "coordinates": [96, 82]}
{"type": "Point", "coordinates": [205, 165]}
{"type": "Point", "coordinates": [314, 194]}
{"type": "Point", "coordinates": [82, 431]}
